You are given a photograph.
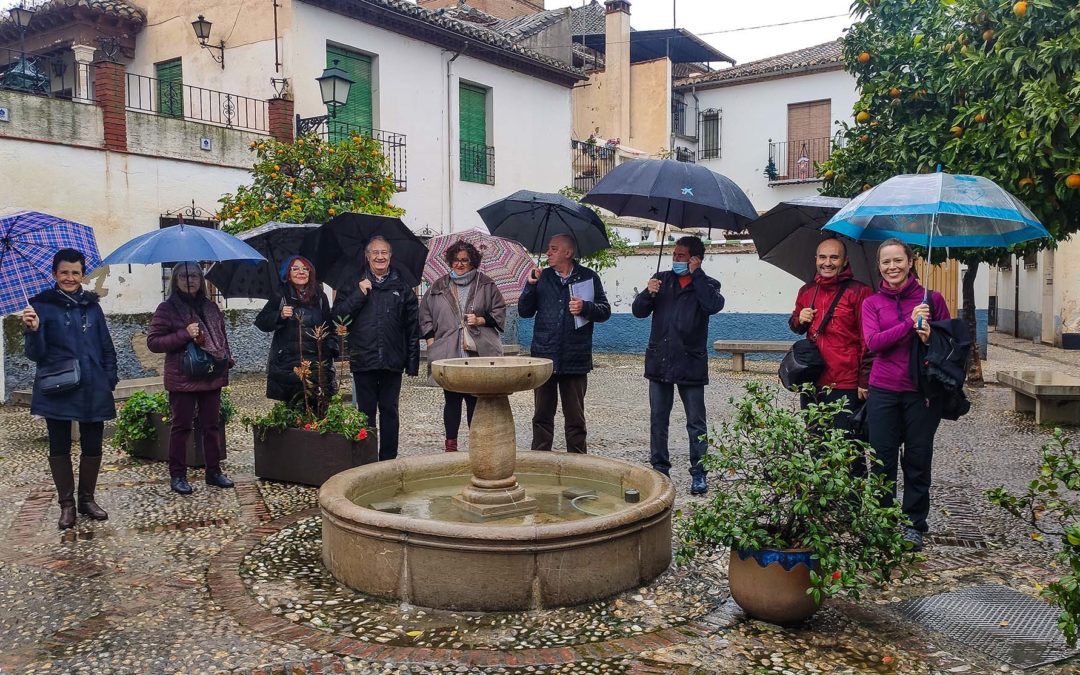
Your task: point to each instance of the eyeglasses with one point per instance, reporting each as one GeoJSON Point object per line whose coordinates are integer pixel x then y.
{"type": "Point", "coordinates": [461, 261]}
{"type": "Point", "coordinates": [298, 269]}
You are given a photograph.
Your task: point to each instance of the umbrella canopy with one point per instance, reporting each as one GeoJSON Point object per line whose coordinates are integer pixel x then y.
{"type": "Point", "coordinates": [337, 247]}
{"type": "Point", "coordinates": [277, 242]}
{"type": "Point", "coordinates": [505, 261]}
{"type": "Point", "coordinates": [533, 218]}
{"type": "Point", "coordinates": [788, 235]}
{"type": "Point", "coordinates": [179, 243]}
{"type": "Point", "coordinates": [939, 209]}
{"type": "Point", "coordinates": [28, 242]}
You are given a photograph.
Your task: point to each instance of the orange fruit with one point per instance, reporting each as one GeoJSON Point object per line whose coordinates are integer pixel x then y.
{"type": "Point", "coordinates": [957, 131]}
{"type": "Point", "coordinates": [331, 211]}
{"type": "Point", "coordinates": [1072, 181]}
{"type": "Point", "coordinates": [988, 35]}
{"type": "Point", "coordinates": [864, 57]}
{"type": "Point", "coordinates": [980, 118]}
{"type": "Point", "coordinates": [865, 186]}
{"type": "Point", "coordinates": [1020, 9]}
{"type": "Point", "coordinates": [894, 92]}
{"type": "Point", "coordinates": [829, 175]}
{"type": "Point", "coordinates": [864, 138]}
{"type": "Point", "coordinates": [862, 117]}
{"type": "Point", "coordinates": [1025, 182]}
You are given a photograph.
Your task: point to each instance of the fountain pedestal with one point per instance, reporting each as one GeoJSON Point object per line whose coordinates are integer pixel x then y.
{"type": "Point", "coordinates": [493, 490]}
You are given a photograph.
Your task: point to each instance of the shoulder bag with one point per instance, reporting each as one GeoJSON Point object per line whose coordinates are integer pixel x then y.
{"type": "Point", "coordinates": [60, 377]}
{"type": "Point", "coordinates": [199, 364]}
{"type": "Point", "coordinates": [803, 363]}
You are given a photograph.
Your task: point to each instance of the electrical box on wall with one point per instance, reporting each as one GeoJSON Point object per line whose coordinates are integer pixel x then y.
{"type": "Point", "coordinates": [205, 144]}
{"type": "Point", "coordinates": [5, 116]}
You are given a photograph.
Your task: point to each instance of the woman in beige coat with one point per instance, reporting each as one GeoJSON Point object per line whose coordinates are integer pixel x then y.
{"type": "Point", "coordinates": [461, 315]}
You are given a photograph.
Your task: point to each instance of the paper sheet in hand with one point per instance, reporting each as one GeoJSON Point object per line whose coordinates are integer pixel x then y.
{"type": "Point", "coordinates": [582, 290]}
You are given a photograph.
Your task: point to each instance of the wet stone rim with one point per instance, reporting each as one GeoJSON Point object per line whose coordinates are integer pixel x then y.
{"type": "Point", "coordinates": [227, 589]}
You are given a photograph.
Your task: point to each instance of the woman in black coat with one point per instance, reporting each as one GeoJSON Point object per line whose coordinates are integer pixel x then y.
{"type": "Point", "coordinates": [292, 314]}
{"type": "Point", "coordinates": [64, 329]}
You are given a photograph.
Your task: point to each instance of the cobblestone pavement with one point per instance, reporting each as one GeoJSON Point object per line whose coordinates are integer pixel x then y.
{"type": "Point", "coordinates": [229, 581]}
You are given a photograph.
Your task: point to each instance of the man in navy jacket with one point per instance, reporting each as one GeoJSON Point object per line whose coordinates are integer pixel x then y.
{"type": "Point", "coordinates": [681, 302]}
{"type": "Point", "coordinates": [549, 296]}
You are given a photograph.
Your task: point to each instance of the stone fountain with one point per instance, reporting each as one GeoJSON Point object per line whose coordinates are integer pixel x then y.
{"type": "Point", "coordinates": [459, 531]}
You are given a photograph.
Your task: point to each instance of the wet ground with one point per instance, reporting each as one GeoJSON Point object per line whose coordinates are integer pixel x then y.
{"type": "Point", "coordinates": [230, 581]}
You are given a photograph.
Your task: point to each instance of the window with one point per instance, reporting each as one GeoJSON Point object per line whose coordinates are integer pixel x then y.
{"type": "Point", "coordinates": [808, 138]}
{"type": "Point", "coordinates": [170, 93]}
{"type": "Point", "coordinates": [477, 158]}
{"type": "Point", "coordinates": [356, 115]}
{"type": "Point", "coordinates": [709, 134]}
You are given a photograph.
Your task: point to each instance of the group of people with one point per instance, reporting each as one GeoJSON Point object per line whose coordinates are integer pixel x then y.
{"type": "Point", "coordinates": [377, 321]}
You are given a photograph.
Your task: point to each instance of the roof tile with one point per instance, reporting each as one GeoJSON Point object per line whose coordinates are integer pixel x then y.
{"type": "Point", "coordinates": [800, 59]}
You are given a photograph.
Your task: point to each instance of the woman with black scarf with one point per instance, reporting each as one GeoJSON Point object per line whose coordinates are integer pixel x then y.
{"type": "Point", "coordinates": [188, 316]}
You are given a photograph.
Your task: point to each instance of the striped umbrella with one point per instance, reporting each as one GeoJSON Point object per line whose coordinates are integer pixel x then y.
{"type": "Point", "coordinates": [28, 241]}
{"type": "Point", "coordinates": [505, 261]}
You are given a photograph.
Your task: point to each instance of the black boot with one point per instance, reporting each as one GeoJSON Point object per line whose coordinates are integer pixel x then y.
{"type": "Point", "coordinates": [64, 479]}
{"type": "Point", "coordinates": [88, 475]}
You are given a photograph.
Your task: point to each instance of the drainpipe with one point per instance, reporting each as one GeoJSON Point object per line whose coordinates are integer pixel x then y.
{"type": "Point", "coordinates": [450, 137]}
{"type": "Point", "coordinates": [697, 118]}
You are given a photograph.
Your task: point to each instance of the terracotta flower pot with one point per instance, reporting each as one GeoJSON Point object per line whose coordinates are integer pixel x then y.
{"type": "Point", "coordinates": [157, 446]}
{"type": "Point", "coordinates": [308, 457]}
{"type": "Point", "coordinates": [771, 585]}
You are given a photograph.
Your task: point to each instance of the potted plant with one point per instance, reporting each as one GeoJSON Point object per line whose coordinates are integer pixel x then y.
{"type": "Point", "coordinates": [142, 428]}
{"type": "Point", "coordinates": [316, 437]}
{"type": "Point", "coordinates": [791, 500]}
{"type": "Point", "coordinates": [1051, 506]}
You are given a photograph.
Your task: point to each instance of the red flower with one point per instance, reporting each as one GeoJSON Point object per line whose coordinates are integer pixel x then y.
{"type": "Point", "coordinates": [836, 575]}
{"type": "Point", "coordinates": [361, 435]}
{"type": "Point", "coordinates": [307, 427]}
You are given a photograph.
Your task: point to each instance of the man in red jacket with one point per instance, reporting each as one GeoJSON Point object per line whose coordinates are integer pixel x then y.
{"type": "Point", "coordinates": [841, 344]}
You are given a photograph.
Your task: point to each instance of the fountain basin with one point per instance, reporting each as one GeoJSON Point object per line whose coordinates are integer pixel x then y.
{"type": "Point", "coordinates": [491, 375]}
{"type": "Point", "coordinates": [491, 566]}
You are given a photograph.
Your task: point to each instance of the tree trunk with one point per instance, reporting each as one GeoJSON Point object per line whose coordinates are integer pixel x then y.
{"type": "Point", "coordinates": [975, 375]}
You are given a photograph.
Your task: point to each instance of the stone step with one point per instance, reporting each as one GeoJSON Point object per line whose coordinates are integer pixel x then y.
{"type": "Point", "coordinates": [124, 390]}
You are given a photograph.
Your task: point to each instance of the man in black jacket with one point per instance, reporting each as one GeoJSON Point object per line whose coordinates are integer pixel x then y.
{"type": "Point", "coordinates": [681, 302]}
{"type": "Point", "coordinates": [383, 340]}
{"type": "Point", "coordinates": [550, 296]}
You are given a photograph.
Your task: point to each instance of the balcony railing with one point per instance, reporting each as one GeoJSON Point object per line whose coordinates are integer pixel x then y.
{"type": "Point", "coordinates": [393, 145]}
{"type": "Point", "coordinates": [797, 160]}
{"type": "Point", "coordinates": [591, 162]}
{"type": "Point", "coordinates": [183, 101]}
{"type": "Point", "coordinates": [477, 163]}
{"type": "Point", "coordinates": [684, 154]}
{"type": "Point", "coordinates": [678, 117]}
{"type": "Point", "coordinates": [54, 76]}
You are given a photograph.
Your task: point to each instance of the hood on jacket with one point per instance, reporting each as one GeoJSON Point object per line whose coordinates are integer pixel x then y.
{"type": "Point", "coordinates": [54, 296]}
{"type": "Point", "coordinates": [911, 289]}
{"type": "Point", "coordinates": [842, 275]}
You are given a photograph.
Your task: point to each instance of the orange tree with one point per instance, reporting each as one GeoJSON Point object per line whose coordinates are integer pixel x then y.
{"type": "Point", "coordinates": [310, 181]}
{"type": "Point", "coordinates": [984, 87]}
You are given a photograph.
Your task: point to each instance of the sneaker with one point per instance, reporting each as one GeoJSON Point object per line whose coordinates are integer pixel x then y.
{"type": "Point", "coordinates": [698, 486]}
{"type": "Point", "coordinates": [180, 485]}
{"type": "Point", "coordinates": [218, 480]}
{"type": "Point", "coordinates": [915, 537]}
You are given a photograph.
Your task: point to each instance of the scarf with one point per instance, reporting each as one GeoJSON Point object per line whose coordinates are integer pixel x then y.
{"type": "Point", "coordinates": [215, 342]}
{"type": "Point", "coordinates": [463, 288]}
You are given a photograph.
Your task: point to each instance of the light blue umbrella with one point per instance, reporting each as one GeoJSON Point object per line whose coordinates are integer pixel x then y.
{"type": "Point", "coordinates": [180, 243]}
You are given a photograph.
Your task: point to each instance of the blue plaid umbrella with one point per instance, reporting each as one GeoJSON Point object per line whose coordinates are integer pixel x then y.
{"type": "Point", "coordinates": [28, 241]}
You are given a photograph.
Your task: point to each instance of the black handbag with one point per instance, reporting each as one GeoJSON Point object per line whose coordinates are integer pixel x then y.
{"type": "Point", "coordinates": [859, 427]}
{"type": "Point", "coordinates": [199, 364]}
{"type": "Point", "coordinates": [803, 363]}
{"type": "Point", "coordinates": [59, 378]}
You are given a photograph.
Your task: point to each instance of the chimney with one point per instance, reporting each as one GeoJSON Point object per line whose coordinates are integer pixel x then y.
{"type": "Point", "coordinates": [617, 66]}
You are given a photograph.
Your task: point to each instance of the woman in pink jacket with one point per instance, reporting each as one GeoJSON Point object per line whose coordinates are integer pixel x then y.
{"type": "Point", "coordinates": [897, 412]}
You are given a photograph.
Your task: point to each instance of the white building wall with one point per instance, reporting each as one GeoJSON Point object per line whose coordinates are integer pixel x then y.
{"type": "Point", "coordinates": [755, 112]}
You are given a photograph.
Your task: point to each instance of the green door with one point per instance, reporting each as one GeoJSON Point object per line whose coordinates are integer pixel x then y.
{"type": "Point", "coordinates": [170, 93]}
{"type": "Point", "coordinates": [355, 116]}
{"type": "Point", "coordinates": [472, 124]}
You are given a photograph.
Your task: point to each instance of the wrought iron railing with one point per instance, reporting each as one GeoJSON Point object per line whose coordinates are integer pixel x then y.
{"type": "Point", "coordinates": [477, 163]}
{"type": "Point", "coordinates": [591, 162]}
{"type": "Point", "coordinates": [56, 76]}
{"type": "Point", "coordinates": [678, 117]}
{"type": "Point", "coordinates": [183, 101]}
{"type": "Point", "coordinates": [684, 154]}
{"type": "Point", "coordinates": [798, 160]}
{"type": "Point", "coordinates": [393, 144]}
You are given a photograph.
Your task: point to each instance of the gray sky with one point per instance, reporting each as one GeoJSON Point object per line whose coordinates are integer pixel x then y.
{"type": "Point", "coordinates": [706, 16]}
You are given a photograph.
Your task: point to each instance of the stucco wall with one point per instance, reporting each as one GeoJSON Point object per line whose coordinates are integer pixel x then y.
{"type": "Point", "coordinates": [650, 108]}
{"type": "Point", "coordinates": [50, 119]}
{"type": "Point", "coordinates": [757, 111]}
{"type": "Point", "coordinates": [179, 139]}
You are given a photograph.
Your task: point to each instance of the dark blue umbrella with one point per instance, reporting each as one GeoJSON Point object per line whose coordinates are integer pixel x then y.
{"type": "Point", "coordinates": [277, 242]}
{"type": "Point", "coordinates": [675, 193]}
{"type": "Point", "coordinates": [180, 243]}
{"type": "Point", "coordinates": [533, 218]}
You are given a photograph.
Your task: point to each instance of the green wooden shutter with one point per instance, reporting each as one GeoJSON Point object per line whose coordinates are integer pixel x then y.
{"type": "Point", "coordinates": [170, 94]}
{"type": "Point", "coordinates": [356, 115]}
{"type": "Point", "coordinates": [472, 123]}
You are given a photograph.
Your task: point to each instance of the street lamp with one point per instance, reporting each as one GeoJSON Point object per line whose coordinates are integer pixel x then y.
{"type": "Point", "coordinates": [21, 16]}
{"type": "Point", "coordinates": [334, 84]}
{"type": "Point", "coordinates": [425, 235]}
{"type": "Point", "coordinates": [645, 231]}
{"type": "Point", "coordinates": [202, 32]}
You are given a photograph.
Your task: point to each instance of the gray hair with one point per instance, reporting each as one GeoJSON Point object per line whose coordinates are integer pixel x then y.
{"type": "Point", "coordinates": [184, 266]}
{"type": "Point", "coordinates": [367, 247]}
{"type": "Point", "coordinates": [569, 240]}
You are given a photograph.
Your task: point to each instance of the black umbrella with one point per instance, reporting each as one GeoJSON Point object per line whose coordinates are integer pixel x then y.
{"type": "Point", "coordinates": [277, 242]}
{"type": "Point", "coordinates": [533, 218]}
{"type": "Point", "coordinates": [788, 235]}
{"type": "Point", "coordinates": [675, 193]}
{"type": "Point", "coordinates": [337, 247]}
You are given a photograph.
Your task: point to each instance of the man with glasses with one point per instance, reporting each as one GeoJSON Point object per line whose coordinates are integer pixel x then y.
{"type": "Point", "coordinates": [382, 340]}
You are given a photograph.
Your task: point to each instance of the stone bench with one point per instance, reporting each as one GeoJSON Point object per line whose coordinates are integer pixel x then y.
{"type": "Point", "coordinates": [740, 348]}
{"type": "Point", "coordinates": [1052, 396]}
{"type": "Point", "coordinates": [124, 390]}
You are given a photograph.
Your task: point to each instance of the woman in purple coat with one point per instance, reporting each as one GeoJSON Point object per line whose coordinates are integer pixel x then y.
{"type": "Point", "coordinates": [189, 316]}
{"type": "Point", "coordinates": [898, 413]}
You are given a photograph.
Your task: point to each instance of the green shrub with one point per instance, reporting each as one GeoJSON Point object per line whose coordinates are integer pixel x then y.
{"type": "Point", "coordinates": [340, 418]}
{"type": "Point", "coordinates": [133, 423]}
